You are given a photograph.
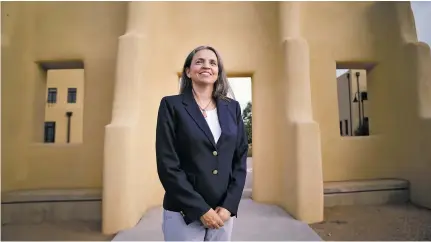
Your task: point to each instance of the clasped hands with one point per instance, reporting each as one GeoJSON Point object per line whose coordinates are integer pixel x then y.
{"type": "Point", "coordinates": [214, 219]}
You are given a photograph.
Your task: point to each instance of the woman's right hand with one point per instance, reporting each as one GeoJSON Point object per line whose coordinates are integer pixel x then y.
{"type": "Point", "coordinates": [212, 220]}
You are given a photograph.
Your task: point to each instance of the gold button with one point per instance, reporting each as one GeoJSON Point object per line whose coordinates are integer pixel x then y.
{"type": "Point", "coordinates": [215, 153]}
{"type": "Point", "coordinates": [215, 172]}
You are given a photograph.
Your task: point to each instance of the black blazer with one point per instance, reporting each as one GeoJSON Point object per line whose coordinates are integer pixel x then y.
{"type": "Point", "coordinates": [196, 173]}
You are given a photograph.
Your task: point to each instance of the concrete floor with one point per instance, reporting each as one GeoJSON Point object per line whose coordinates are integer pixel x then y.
{"type": "Point", "coordinates": [60, 231]}
{"type": "Point", "coordinates": [257, 222]}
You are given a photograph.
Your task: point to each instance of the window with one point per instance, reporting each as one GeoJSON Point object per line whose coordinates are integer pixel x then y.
{"type": "Point", "coordinates": [49, 132]}
{"type": "Point", "coordinates": [71, 95]}
{"type": "Point", "coordinates": [353, 106]}
{"type": "Point", "coordinates": [52, 95]}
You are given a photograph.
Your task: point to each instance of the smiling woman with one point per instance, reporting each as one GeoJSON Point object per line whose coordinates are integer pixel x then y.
{"type": "Point", "coordinates": [201, 124]}
{"type": "Point", "coordinates": [205, 66]}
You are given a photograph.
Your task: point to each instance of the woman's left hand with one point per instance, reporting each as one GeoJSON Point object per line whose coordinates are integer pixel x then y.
{"type": "Point", "coordinates": [223, 213]}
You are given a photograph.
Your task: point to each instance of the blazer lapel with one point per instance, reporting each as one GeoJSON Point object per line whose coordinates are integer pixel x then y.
{"type": "Point", "coordinates": [193, 109]}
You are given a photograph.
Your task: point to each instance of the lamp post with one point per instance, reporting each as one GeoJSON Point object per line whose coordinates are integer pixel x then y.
{"type": "Point", "coordinates": [350, 105]}
{"type": "Point", "coordinates": [359, 99]}
{"type": "Point", "coordinates": [69, 115]}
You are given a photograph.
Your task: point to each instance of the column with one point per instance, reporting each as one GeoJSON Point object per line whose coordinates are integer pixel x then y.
{"type": "Point", "coordinates": [118, 205]}
{"type": "Point", "coordinates": [303, 183]}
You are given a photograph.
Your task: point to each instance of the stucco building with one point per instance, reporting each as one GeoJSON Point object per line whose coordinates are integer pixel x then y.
{"type": "Point", "coordinates": [123, 57]}
{"type": "Point", "coordinates": [64, 106]}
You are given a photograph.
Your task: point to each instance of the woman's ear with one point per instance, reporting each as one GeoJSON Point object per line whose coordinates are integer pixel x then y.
{"type": "Point", "coordinates": [188, 72]}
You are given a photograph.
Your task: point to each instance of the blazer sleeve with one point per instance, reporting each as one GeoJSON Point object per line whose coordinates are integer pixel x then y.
{"type": "Point", "coordinates": [172, 177]}
{"type": "Point", "coordinates": [239, 168]}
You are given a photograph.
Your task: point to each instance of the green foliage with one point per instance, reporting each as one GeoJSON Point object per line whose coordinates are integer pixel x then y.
{"type": "Point", "coordinates": [247, 118]}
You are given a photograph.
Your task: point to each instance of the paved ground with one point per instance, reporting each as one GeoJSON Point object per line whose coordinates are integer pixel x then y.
{"type": "Point", "coordinates": [257, 222]}
{"type": "Point", "coordinates": [260, 222]}
{"type": "Point", "coordinates": [248, 181]}
{"type": "Point", "coordinates": [404, 222]}
{"type": "Point", "coordinates": [349, 223]}
{"type": "Point", "coordinates": [249, 163]}
{"type": "Point", "coordinates": [66, 231]}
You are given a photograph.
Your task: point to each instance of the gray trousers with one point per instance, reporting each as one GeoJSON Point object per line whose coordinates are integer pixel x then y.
{"type": "Point", "coordinates": [175, 229]}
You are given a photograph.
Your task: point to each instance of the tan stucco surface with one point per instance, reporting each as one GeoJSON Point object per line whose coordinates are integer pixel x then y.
{"type": "Point", "coordinates": [290, 49]}
{"type": "Point", "coordinates": [56, 31]}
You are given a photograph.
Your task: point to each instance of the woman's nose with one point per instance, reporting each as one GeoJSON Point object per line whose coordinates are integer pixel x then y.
{"type": "Point", "coordinates": [206, 65]}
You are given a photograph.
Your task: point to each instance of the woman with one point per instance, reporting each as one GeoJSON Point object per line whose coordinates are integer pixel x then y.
{"type": "Point", "coordinates": [201, 150]}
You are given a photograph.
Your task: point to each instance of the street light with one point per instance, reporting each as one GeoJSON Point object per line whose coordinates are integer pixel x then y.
{"type": "Point", "coordinates": [69, 115]}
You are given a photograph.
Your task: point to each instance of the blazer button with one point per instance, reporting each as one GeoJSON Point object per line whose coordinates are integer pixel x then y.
{"type": "Point", "coordinates": [182, 213]}
{"type": "Point", "coordinates": [215, 153]}
{"type": "Point", "coordinates": [215, 172]}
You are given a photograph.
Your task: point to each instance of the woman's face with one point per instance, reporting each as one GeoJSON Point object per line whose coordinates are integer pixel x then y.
{"type": "Point", "coordinates": [204, 67]}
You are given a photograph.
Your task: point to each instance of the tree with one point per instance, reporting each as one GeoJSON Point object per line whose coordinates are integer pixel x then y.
{"type": "Point", "coordinates": [247, 118]}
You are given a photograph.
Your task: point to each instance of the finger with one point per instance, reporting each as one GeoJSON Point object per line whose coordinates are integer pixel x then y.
{"type": "Point", "coordinates": [220, 222]}
{"type": "Point", "coordinates": [209, 224]}
{"type": "Point", "coordinates": [214, 225]}
{"type": "Point", "coordinates": [206, 224]}
{"type": "Point", "coordinates": [218, 225]}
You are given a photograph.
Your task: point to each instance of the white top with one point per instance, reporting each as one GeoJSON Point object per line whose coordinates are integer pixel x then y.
{"type": "Point", "coordinates": [213, 123]}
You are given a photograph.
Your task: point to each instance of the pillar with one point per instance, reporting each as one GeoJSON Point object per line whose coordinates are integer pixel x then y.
{"type": "Point", "coordinates": [303, 182]}
{"type": "Point", "coordinates": [119, 209]}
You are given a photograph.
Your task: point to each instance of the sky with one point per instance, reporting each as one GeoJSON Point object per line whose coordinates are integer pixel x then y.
{"type": "Point", "coordinates": [241, 87]}
{"type": "Point", "coordinates": [422, 14]}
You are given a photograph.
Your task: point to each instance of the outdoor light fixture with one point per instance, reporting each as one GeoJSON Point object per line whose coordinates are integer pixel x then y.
{"type": "Point", "coordinates": [69, 115]}
{"type": "Point", "coordinates": [350, 106]}
{"type": "Point", "coordinates": [359, 97]}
